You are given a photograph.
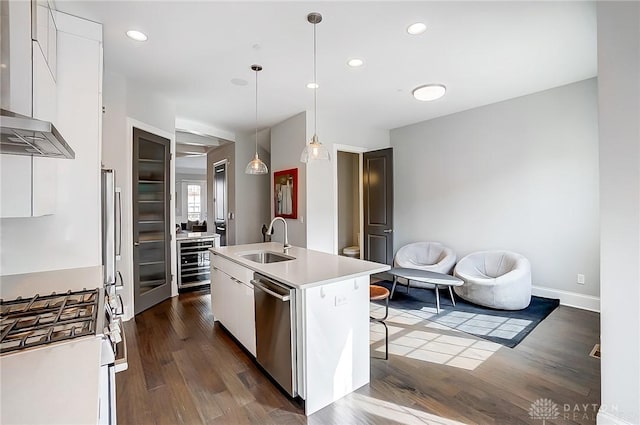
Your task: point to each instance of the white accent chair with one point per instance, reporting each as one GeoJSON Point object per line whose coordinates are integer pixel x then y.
{"type": "Point", "coordinates": [495, 279]}
{"type": "Point", "coordinates": [430, 256]}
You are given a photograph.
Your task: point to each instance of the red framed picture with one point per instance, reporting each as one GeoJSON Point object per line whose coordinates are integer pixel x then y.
{"type": "Point", "coordinates": [285, 193]}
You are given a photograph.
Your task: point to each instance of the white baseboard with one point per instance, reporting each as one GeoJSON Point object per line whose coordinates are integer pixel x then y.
{"type": "Point", "coordinates": [570, 299]}
{"type": "Point", "coordinates": [606, 418]}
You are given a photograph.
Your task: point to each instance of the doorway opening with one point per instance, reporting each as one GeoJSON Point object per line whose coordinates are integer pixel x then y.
{"type": "Point", "coordinates": [349, 204]}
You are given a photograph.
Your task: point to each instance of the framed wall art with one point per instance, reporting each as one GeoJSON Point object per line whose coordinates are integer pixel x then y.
{"type": "Point", "coordinates": [285, 192]}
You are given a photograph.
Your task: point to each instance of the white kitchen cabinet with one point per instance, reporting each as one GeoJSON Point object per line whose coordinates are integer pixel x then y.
{"type": "Point", "coordinates": [29, 185]}
{"type": "Point", "coordinates": [15, 186]}
{"type": "Point", "coordinates": [16, 78]}
{"type": "Point", "coordinates": [45, 33]}
{"type": "Point", "coordinates": [221, 291]}
{"type": "Point", "coordinates": [246, 311]}
{"type": "Point", "coordinates": [232, 300]}
{"type": "Point", "coordinates": [45, 94]}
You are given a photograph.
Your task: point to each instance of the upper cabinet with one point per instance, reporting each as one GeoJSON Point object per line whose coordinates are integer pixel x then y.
{"type": "Point", "coordinates": [52, 71]}
{"type": "Point", "coordinates": [45, 32]}
{"type": "Point", "coordinates": [29, 185]}
{"type": "Point", "coordinates": [17, 62]}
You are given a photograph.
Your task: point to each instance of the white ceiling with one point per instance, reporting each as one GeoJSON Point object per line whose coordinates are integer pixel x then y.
{"type": "Point", "coordinates": [483, 52]}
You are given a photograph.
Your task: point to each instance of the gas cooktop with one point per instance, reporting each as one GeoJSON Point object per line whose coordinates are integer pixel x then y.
{"type": "Point", "coordinates": [32, 322]}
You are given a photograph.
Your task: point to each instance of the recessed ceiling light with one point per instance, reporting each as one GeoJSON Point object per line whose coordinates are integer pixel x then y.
{"type": "Point", "coordinates": [417, 28]}
{"type": "Point", "coordinates": [136, 35]}
{"type": "Point", "coordinates": [312, 85]}
{"type": "Point", "coordinates": [355, 62]}
{"type": "Point", "coordinates": [429, 92]}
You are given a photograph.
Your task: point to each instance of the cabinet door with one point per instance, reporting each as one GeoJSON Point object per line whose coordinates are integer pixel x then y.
{"type": "Point", "coordinates": [15, 186]}
{"type": "Point", "coordinates": [221, 294]}
{"type": "Point", "coordinates": [45, 98]}
{"type": "Point", "coordinates": [246, 319]}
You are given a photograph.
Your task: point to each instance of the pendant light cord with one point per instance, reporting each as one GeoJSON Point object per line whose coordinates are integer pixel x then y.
{"type": "Point", "coordinates": [256, 112]}
{"type": "Point", "coordinates": [315, 81]}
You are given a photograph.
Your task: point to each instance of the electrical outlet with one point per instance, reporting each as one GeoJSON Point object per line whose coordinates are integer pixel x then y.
{"type": "Point", "coordinates": [341, 300]}
{"type": "Point", "coordinates": [580, 279]}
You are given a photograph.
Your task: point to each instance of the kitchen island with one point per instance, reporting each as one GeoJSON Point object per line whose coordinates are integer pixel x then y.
{"type": "Point", "coordinates": [329, 313]}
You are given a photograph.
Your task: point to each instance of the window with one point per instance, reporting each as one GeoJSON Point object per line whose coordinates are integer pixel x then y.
{"type": "Point", "coordinates": [194, 202]}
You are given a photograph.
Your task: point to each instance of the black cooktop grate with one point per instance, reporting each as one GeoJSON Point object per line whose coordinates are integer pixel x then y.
{"type": "Point", "coordinates": [31, 322]}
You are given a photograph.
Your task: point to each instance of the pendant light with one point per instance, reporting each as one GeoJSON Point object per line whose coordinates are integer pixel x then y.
{"type": "Point", "coordinates": [314, 150]}
{"type": "Point", "coordinates": [256, 166]}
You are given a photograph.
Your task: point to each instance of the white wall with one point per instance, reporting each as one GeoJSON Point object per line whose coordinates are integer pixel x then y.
{"type": "Point", "coordinates": [127, 105]}
{"type": "Point", "coordinates": [322, 207]}
{"type": "Point", "coordinates": [619, 112]}
{"type": "Point", "coordinates": [253, 195]}
{"type": "Point", "coordinates": [288, 139]}
{"type": "Point", "coordinates": [520, 175]}
{"type": "Point", "coordinates": [71, 237]}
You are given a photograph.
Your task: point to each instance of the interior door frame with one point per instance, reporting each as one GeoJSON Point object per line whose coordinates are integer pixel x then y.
{"type": "Point", "coordinates": [127, 211]}
{"type": "Point", "coordinates": [357, 150]}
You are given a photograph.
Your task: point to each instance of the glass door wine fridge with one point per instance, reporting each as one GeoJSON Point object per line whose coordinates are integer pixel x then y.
{"type": "Point", "coordinates": [193, 260]}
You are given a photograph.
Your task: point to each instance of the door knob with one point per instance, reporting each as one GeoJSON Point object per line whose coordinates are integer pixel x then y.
{"type": "Point", "coordinates": [388, 230]}
{"type": "Point", "coordinates": [136, 244]}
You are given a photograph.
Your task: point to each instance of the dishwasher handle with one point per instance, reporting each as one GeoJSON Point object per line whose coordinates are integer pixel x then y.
{"type": "Point", "coordinates": [259, 285]}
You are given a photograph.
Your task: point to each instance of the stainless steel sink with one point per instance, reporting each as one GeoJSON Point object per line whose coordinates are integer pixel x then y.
{"type": "Point", "coordinates": [266, 257]}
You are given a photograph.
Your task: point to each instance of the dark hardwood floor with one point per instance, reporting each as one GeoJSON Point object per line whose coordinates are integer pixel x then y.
{"type": "Point", "coordinates": [184, 369]}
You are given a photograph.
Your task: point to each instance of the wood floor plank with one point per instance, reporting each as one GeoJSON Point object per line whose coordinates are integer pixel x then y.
{"type": "Point", "coordinates": [184, 368]}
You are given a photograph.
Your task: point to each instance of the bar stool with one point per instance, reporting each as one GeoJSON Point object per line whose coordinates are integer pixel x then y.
{"type": "Point", "coordinates": [377, 293]}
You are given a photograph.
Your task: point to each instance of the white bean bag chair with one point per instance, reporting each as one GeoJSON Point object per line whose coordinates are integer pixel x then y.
{"type": "Point", "coordinates": [496, 279]}
{"type": "Point", "coordinates": [431, 256]}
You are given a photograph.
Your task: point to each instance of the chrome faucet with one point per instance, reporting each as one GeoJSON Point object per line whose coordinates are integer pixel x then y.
{"type": "Point", "coordinates": [286, 238]}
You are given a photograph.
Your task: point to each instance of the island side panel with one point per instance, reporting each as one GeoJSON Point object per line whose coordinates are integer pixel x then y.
{"type": "Point", "coordinates": [335, 333]}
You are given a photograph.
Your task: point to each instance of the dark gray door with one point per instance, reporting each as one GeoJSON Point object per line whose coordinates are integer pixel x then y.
{"type": "Point", "coordinates": [378, 205]}
{"type": "Point", "coordinates": [220, 201]}
{"type": "Point", "coordinates": [152, 237]}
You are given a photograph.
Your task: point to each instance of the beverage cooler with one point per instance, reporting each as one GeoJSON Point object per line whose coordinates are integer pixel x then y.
{"type": "Point", "coordinates": [193, 260]}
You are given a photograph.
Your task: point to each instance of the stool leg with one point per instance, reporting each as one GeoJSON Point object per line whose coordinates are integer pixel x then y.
{"type": "Point", "coordinates": [386, 341]}
{"type": "Point", "coordinates": [453, 300]}
{"type": "Point", "coordinates": [386, 309]}
{"type": "Point", "coordinates": [437, 300]}
{"type": "Point", "coordinates": [386, 329]}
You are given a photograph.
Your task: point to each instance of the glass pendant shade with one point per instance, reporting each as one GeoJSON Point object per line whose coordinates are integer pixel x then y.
{"type": "Point", "coordinates": [315, 151]}
{"type": "Point", "coordinates": [256, 166]}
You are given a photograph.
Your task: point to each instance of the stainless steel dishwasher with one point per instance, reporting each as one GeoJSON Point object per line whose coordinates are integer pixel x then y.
{"type": "Point", "coordinates": [275, 331]}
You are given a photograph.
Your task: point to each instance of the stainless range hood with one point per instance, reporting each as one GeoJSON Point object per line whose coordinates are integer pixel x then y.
{"type": "Point", "coordinates": [23, 135]}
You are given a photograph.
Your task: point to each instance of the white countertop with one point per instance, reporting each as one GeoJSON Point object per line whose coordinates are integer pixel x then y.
{"type": "Point", "coordinates": [310, 268]}
{"type": "Point", "coordinates": [54, 384]}
{"type": "Point", "coordinates": [196, 235]}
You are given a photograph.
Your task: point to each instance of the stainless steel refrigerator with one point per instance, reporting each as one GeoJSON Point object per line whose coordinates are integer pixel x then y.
{"type": "Point", "coordinates": [111, 237]}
